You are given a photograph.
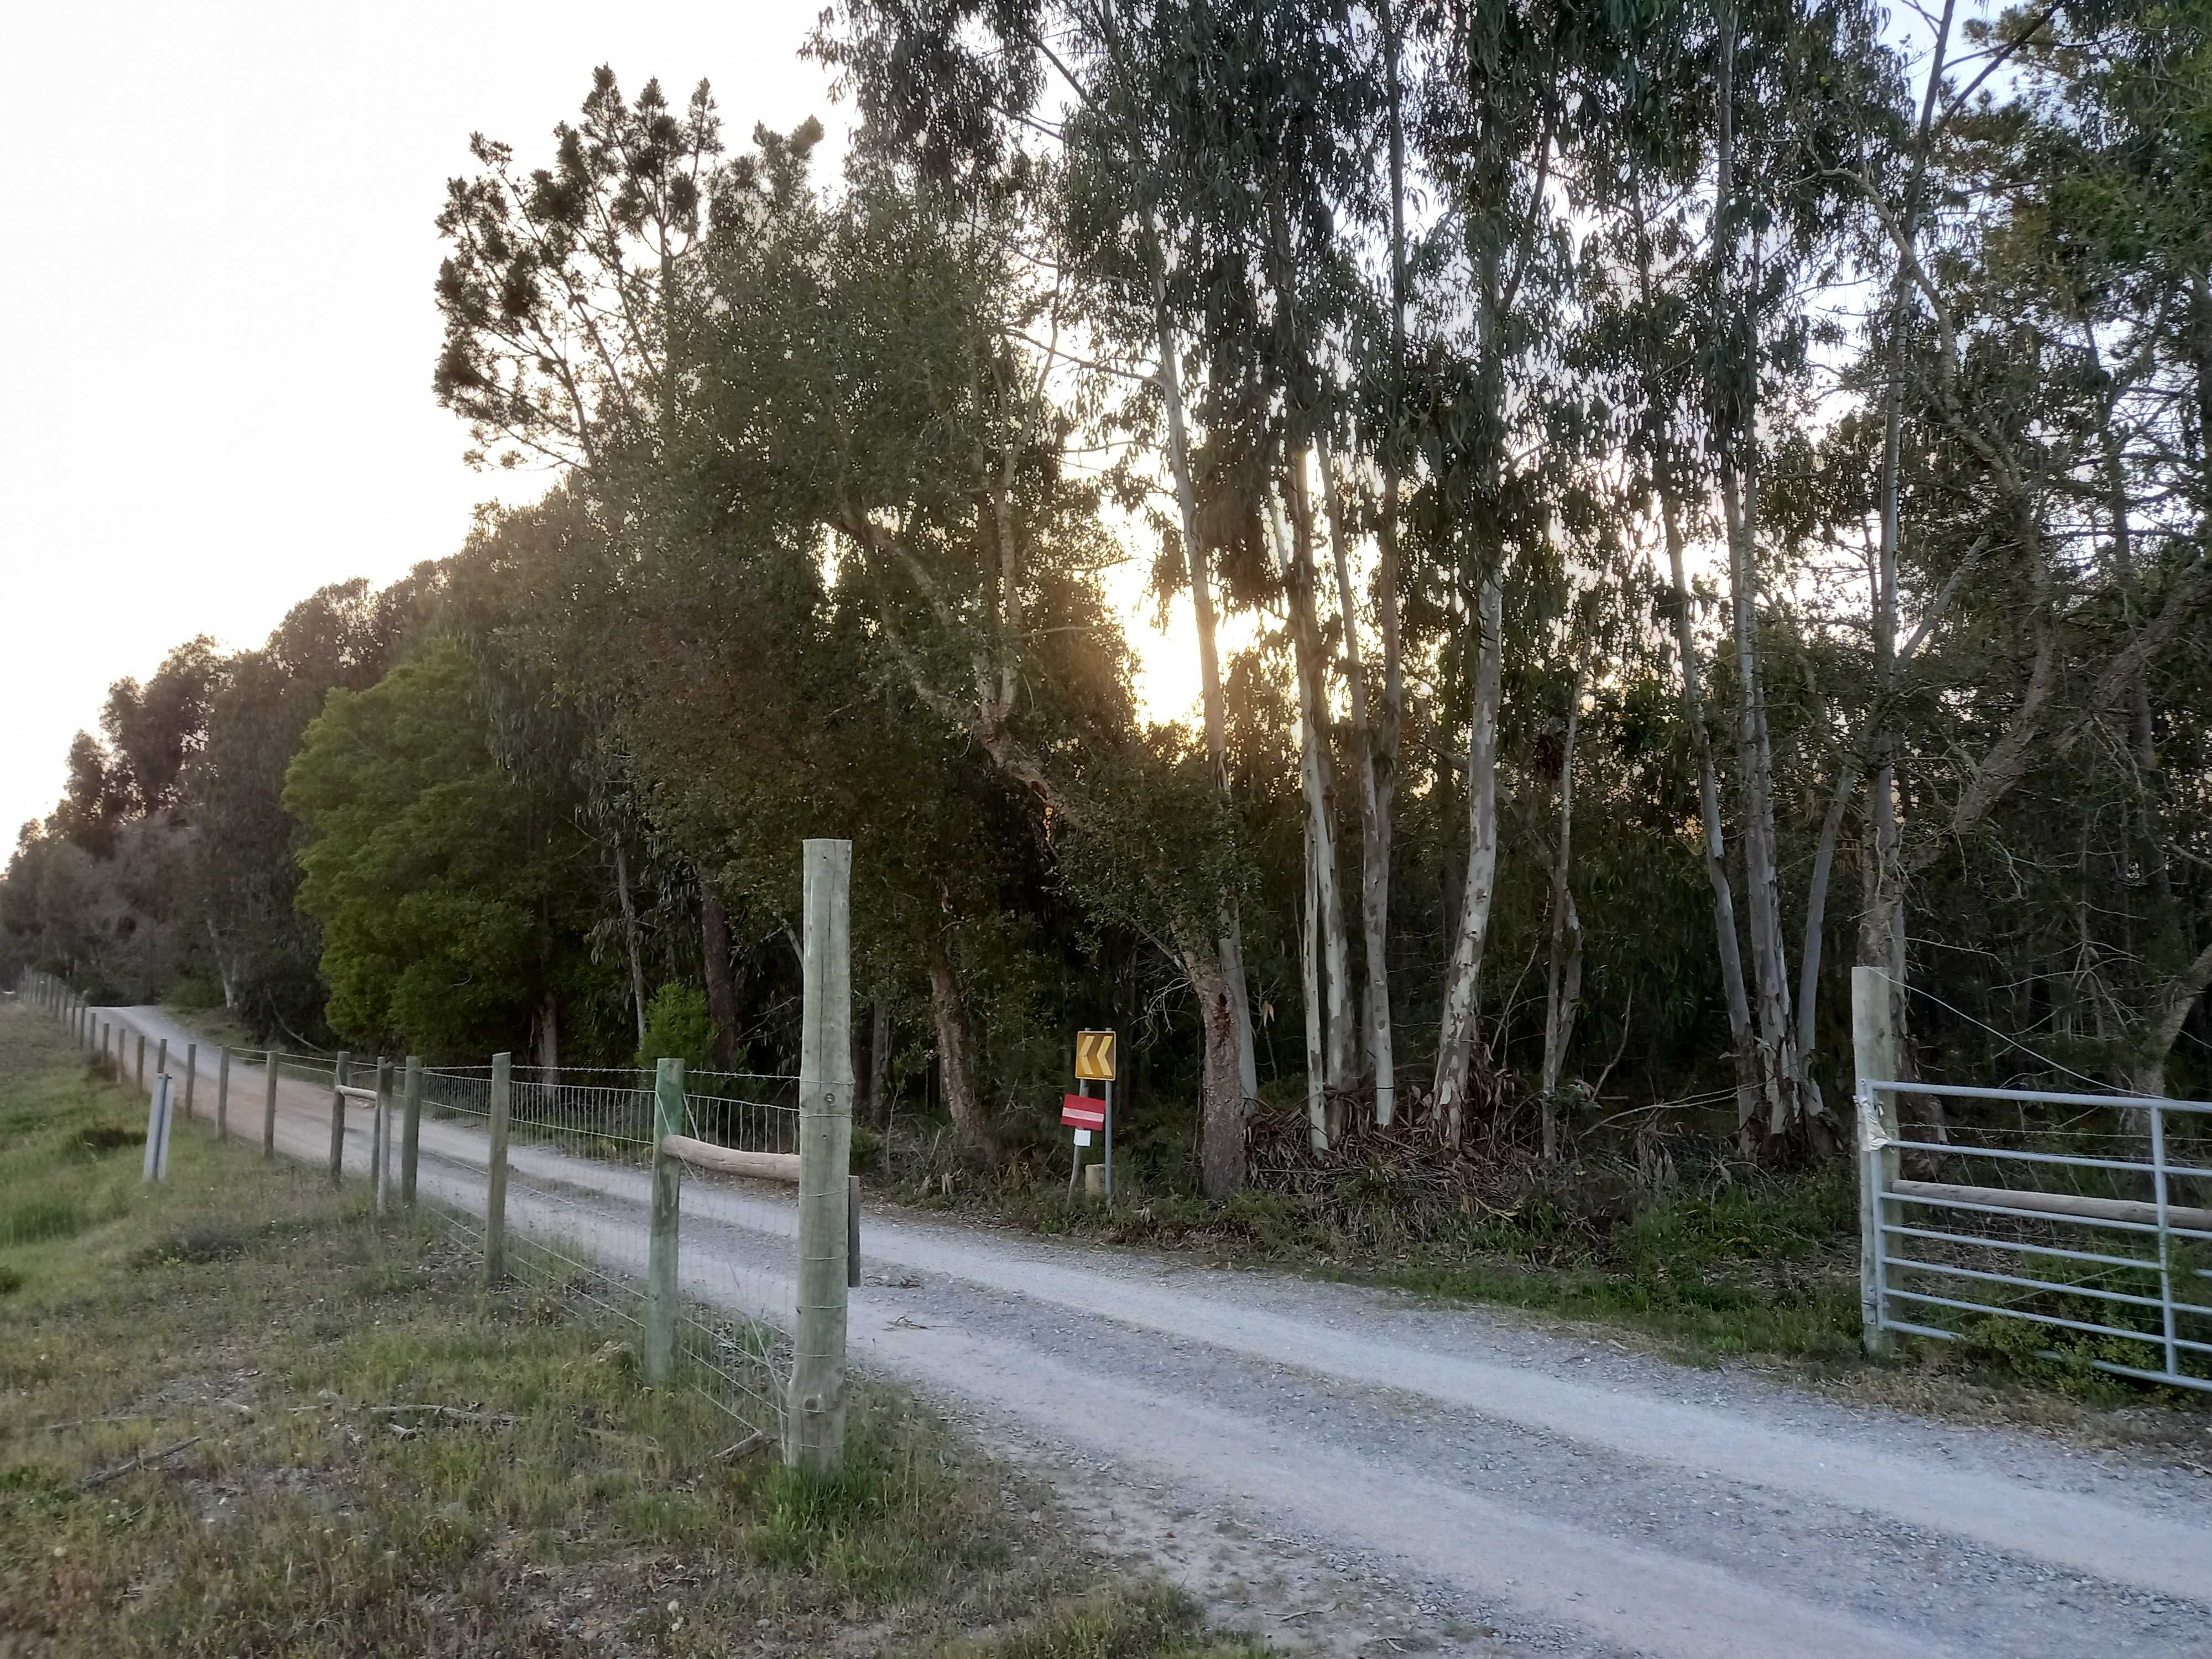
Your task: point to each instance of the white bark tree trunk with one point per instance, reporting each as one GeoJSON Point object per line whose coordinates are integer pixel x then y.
{"type": "Point", "coordinates": [1373, 828]}
{"type": "Point", "coordinates": [1231, 947]}
{"type": "Point", "coordinates": [1463, 978]}
{"type": "Point", "coordinates": [1318, 779]}
{"type": "Point", "coordinates": [1563, 976]}
{"type": "Point", "coordinates": [1309, 978]}
{"type": "Point", "coordinates": [1742, 1045]}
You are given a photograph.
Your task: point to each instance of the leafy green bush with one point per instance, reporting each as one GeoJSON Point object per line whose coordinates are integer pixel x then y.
{"type": "Point", "coordinates": [678, 1027]}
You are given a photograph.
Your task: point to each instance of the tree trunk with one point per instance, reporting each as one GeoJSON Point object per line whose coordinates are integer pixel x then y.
{"type": "Point", "coordinates": [1390, 724]}
{"type": "Point", "coordinates": [951, 1016]}
{"type": "Point", "coordinates": [545, 1033]}
{"type": "Point", "coordinates": [630, 939]}
{"type": "Point", "coordinates": [1742, 1046]}
{"type": "Point", "coordinates": [1318, 778]}
{"type": "Point", "coordinates": [1209, 661]}
{"type": "Point", "coordinates": [1563, 974]}
{"type": "Point", "coordinates": [1309, 979]}
{"type": "Point", "coordinates": [721, 977]}
{"type": "Point", "coordinates": [1462, 979]}
{"type": "Point", "coordinates": [2177, 998]}
{"type": "Point", "coordinates": [1882, 929]}
{"type": "Point", "coordinates": [1374, 832]}
{"type": "Point", "coordinates": [875, 1076]}
{"type": "Point", "coordinates": [1739, 481]}
{"type": "Point", "coordinates": [1223, 1104]}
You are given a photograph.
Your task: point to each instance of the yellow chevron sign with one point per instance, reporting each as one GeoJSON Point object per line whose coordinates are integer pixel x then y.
{"type": "Point", "coordinates": [1094, 1055]}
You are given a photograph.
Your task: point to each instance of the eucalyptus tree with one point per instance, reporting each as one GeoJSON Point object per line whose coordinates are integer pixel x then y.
{"type": "Point", "coordinates": [562, 296]}
{"type": "Point", "coordinates": [1504, 105]}
{"type": "Point", "coordinates": [2063, 380]}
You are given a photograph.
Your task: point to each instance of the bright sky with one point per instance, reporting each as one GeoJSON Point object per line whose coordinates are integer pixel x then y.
{"type": "Point", "coordinates": [216, 390]}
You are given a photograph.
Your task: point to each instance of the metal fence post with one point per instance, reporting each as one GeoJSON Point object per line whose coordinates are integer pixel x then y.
{"type": "Point", "coordinates": [222, 1093]}
{"type": "Point", "coordinates": [157, 1130]}
{"type": "Point", "coordinates": [496, 1186]}
{"type": "Point", "coordinates": [380, 1139]}
{"type": "Point", "coordinates": [660, 1256]}
{"type": "Point", "coordinates": [2164, 1239]}
{"type": "Point", "coordinates": [814, 1418]}
{"type": "Point", "coordinates": [269, 1107]}
{"type": "Point", "coordinates": [1873, 1059]}
{"type": "Point", "coordinates": [411, 1134]}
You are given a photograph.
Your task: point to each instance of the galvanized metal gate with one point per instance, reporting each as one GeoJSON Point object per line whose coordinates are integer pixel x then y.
{"type": "Point", "coordinates": [2087, 1216]}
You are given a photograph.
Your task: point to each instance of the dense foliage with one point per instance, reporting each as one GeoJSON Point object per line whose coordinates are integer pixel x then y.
{"type": "Point", "coordinates": [1672, 501]}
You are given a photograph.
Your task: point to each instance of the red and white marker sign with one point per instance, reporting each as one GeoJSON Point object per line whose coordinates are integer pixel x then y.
{"type": "Point", "coordinates": [1081, 1112]}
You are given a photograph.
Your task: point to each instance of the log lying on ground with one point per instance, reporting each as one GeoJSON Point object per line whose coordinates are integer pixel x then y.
{"type": "Point", "coordinates": [728, 1160]}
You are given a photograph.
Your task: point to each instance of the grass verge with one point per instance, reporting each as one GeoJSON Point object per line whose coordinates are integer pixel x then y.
{"type": "Point", "coordinates": [219, 1440]}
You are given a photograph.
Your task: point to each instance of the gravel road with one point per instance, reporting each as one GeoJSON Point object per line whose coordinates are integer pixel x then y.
{"type": "Point", "coordinates": [1361, 1471]}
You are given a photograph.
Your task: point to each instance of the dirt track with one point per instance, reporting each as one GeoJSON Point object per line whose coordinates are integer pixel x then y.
{"type": "Point", "coordinates": [1370, 1474]}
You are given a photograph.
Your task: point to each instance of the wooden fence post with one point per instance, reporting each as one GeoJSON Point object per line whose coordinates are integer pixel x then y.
{"type": "Point", "coordinates": [381, 1139]}
{"type": "Point", "coordinates": [142, 1060]}
{"type": "Point", "coordinates": [338, 1134]}
{"type": "Point", "coordinates": [661, 1255]}
{"type": "Point", "coordinates": [268, 1108]}
{"type": "Point", "coordinates": [814, 1413]}
{"type": "Point", "coordinates": [411, 1134]}
{"type": "Point", "coordinates": [222, 1093]}
{"type": "Point", "coordinates": [161, 1058]}
{"type": "Point", "coordinates": [191, 1073]}
{"type": "Point", "coordinates": [1873, 1059]}
{"type": "Point", "coordinates": [495, 1187]}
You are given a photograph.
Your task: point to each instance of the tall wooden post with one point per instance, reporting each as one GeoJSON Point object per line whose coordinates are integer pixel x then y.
{"type": "Point", "coordinates": [381, 1181]}
{"type": "Point", "coordinates": [222, 1094]}
{"type": "Point", "coordinates": [268, 1106]}
{"type": "Point", "coordinates": [191, 1073]}
{"type": "Point", "coordinates": [338, 1134]}
{"type": "Point", "coordinates": [496, 1186]}
{"type": "Point", "coordinates": [411, 1134]}
{"type": "Point", "coordinates": [1873, 1059]}
{"type": "Point", "coordinates": [142, 1060]}
{"type": "Point", "coordinates": [660, 1259]}
{"type": "Point", "coordinates": [814, 1415]}
{"type": "Point", "coordinates": [161, 1058]}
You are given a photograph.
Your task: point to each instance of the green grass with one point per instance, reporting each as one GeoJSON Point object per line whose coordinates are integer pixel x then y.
{"type": "Point", "coordinates": [192, 1461]}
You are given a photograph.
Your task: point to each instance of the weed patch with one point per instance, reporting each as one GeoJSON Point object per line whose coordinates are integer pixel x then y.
{"type": "Point", "coordinates": [34, 1220]}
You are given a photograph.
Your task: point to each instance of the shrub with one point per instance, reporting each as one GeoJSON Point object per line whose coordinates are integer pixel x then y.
{"type": "Point", "coordinates": [678, 1027]}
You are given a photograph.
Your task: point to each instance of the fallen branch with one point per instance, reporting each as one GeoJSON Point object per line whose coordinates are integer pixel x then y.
{"type": "Point", "coordinates": [81, 1422]}
{"type": "Point", "coordinates": [144, 1459]}
{"type": "Point", "coordinates": [756, 1441]}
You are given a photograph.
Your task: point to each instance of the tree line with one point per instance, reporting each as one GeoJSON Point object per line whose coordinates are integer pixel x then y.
{"type": "Point", "coordinates": [1673, 499]}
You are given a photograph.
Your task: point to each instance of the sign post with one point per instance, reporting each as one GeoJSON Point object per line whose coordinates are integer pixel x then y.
{"type": "Point", "coordinates": [1094, 1062]}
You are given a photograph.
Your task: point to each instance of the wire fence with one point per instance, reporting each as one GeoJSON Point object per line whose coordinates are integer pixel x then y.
{"type": "Point", "coordinates": [576, 1189]}
{"type": "Point", "coordinates": [2075, 1228]}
